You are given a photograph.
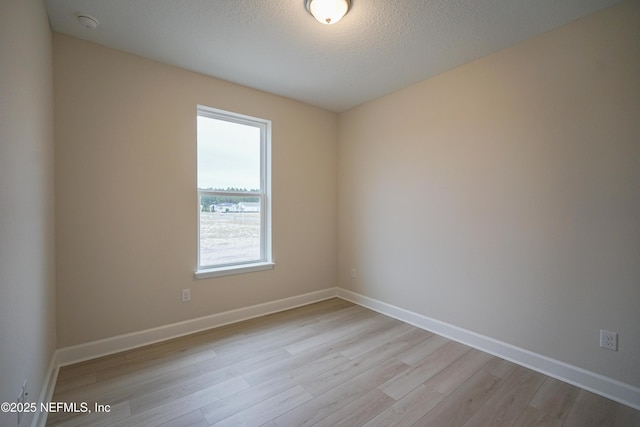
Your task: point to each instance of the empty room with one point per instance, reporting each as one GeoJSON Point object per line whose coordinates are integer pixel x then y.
{"type": "Point", "coordinates": [319, 212]}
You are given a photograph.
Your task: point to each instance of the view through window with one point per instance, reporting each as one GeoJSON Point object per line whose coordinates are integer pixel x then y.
{"type": "Point", "coordinates": [232, 189]}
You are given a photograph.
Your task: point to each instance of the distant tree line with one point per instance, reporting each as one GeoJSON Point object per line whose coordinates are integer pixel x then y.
{"type": "Point", "coordinates": [207, 200]}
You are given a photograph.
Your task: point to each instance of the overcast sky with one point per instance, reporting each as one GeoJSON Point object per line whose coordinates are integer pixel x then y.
{"type": "Point", "coordinates": [228, 154]}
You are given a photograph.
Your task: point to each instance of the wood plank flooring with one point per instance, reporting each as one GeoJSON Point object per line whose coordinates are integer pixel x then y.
{"type": "Point", "coordinates": [326, 364]}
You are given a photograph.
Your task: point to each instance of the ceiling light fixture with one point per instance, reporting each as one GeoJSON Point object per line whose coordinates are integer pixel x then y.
{"type": "Point", "coordinates": [327, 11]}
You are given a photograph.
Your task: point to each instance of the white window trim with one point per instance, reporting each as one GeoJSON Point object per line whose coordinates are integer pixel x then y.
{"type": "Point", "coordinates": [266, 263]}
{"type": "Point", "coordinates": [232, 269]}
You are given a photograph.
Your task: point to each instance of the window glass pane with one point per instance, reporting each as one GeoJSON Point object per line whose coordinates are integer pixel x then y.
{"type": "Point", "coordinates": [228, 155]}
{"type": "Point", "coordinates": [229, 230]}
{"type": "Point", "coordinates": [233, 182]}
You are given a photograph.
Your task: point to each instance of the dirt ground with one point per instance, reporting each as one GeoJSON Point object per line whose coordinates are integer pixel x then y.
{"type": "Point", "coordinates": [227, 238]}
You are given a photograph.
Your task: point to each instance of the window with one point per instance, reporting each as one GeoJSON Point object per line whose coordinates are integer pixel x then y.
{"type": "Point", "coordinates": [234, 226]}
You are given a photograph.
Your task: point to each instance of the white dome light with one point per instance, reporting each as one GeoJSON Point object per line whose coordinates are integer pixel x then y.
{"type": "Point", "coordinates": [327, 11]}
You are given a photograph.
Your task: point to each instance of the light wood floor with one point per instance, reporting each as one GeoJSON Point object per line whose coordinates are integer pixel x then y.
{"type": "Point", "coordinates": [328, 364]}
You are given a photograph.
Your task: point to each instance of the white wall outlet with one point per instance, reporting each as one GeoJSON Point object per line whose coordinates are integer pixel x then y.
{"type": "Point", "coordinates": [22, 399]}
{"type": "Point", "coordinates": [186, 295]}
{"type": "Point", "coordinates": [609, 340]}
{"type": "Point", "coordinates": [353, 273]}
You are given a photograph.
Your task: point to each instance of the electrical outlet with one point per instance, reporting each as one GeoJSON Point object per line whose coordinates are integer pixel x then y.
{"type": "Point", "coordinates": [186, 295]}
{"type": "Point", "coordinates": [609, 340]}
{"type": "Point", "coordinates": [21, 400]}
{"type": "Point", "coordinates": [353, 273]}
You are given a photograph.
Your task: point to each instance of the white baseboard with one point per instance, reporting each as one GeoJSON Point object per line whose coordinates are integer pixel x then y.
{"type": "Point", "coordinates": [616, 390]}
{"type": "Point", "coordinates": [91, 350]}
{"type": "Point", "coordinates": [99, 348]}
{"type": "Point", "coordinates": [46, 393]}
{"type": "Point", "coordinates": [612, 389]}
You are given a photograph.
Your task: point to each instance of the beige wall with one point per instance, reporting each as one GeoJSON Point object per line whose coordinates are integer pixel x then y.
{"type": "Point", "coordinates": [504, 196]}
{"type": "Point", "coordinates": [501, 197]}
{"type": "Point", "coordinates": [27, 293]}
{"type": "Point", "coordinates": [126, 204]}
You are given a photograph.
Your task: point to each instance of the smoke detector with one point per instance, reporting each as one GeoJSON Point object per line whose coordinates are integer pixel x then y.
{"type": "Point", "coordinates": [87, 21]}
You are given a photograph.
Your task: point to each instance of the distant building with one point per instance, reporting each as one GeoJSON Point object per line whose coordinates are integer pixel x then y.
{"type": "Point", "coordinates": [249, 207]}
{"type": "Point", "coordinates": [225, 207]}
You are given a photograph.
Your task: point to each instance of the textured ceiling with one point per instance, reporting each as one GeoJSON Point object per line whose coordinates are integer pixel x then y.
{"type": "Point", "coordinates": [276, 46]}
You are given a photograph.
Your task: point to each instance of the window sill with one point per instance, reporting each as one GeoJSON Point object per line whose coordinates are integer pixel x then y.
{"type": "Point", "coordinates": [234, 269]}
